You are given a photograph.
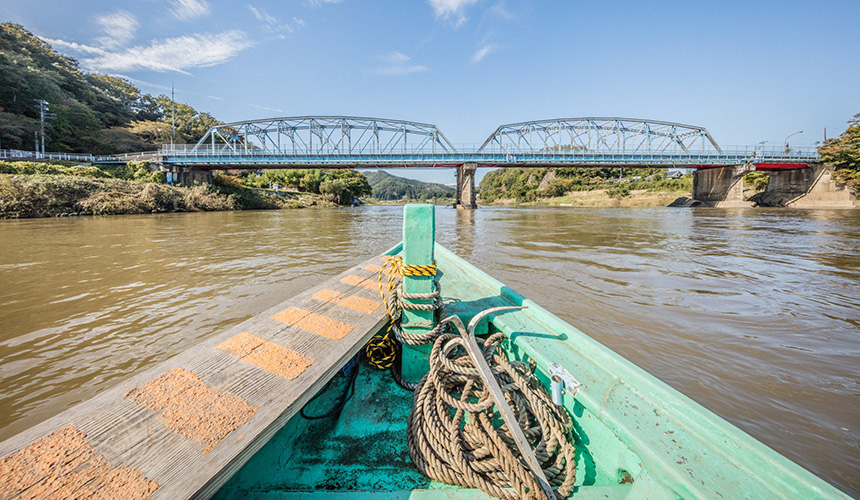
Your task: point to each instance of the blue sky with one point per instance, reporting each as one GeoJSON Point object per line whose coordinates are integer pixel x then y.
{"type": "Point", "coordinates": [748, 71]}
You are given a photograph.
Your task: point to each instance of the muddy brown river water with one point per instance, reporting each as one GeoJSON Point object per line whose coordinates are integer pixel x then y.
{"type": "Point", "coordinates": [754, 313]}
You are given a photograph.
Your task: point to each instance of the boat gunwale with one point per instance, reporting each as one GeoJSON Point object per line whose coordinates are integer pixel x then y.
{"type": "Point", "coordinates": [706, 427]}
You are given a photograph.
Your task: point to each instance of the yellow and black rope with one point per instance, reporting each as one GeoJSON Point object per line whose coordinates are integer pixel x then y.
{"type": "Point", "coordinates": [382, 349]}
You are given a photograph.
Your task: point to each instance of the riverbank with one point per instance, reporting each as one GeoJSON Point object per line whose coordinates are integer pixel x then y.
{"type": "Point", "coordinates": [639, 198]}
{"type": "Point", "coordinates": [46, 195]}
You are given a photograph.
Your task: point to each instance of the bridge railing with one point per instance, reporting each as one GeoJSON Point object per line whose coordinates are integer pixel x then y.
{"type": "Point", "coordinates": [466, 151]}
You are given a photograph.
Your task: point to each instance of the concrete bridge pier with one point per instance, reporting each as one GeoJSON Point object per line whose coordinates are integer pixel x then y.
{"type": "Point", "coordinates": [721, 186]}
{"type": "Point", "coordinates": [466, 186]}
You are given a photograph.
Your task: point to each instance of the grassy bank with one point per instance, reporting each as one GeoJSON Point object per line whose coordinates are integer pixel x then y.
{"type": "Point", "coordinates": [75, 190]}
{"type": "Point", "coordinates": [601, 198]}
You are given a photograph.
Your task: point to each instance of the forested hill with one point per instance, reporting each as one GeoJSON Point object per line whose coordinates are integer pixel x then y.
{"type": "Point", "coordinates": [90, 113]}
{"type": "Point", "coordinates": [530, 184]}
{"type": "Point", "coordinates": [389, 187]}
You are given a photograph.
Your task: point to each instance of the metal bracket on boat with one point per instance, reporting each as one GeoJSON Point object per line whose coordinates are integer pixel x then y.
{"type": "Point", "coordinates": [567, 381]}
{"type": "Point", "coordinates": [483, 367]}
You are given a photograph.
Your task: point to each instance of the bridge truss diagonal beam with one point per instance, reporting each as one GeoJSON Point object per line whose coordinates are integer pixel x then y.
{"type": "Point", "coordinates": [599, 135]}
{"type": "Point", "coordinates": [355, 142]}
{"type": "Point", "coordinates": [323, 135]}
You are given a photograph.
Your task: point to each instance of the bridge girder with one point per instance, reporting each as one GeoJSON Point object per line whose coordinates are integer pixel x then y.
{"type": "Point", "coordinates": [616, 135]}
{"type": "Point", "coordinates": [324, 135]}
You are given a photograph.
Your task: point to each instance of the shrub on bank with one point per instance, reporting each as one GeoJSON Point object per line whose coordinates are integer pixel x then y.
{"type": "Point", "coordinates": [58, 168]}
{"type": "Point", "coordinates": [41, 195]}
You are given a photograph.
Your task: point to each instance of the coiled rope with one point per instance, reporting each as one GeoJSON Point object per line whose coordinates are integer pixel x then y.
{"type": "Point", "coordinates": [383, 349]}
{"type": "Point", "coordinates": [455, 434]}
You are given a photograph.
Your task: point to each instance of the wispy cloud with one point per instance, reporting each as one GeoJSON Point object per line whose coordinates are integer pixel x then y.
{"type": "Point", "coordinates": [276, 110]}
{"type": "Point", "coordinates": [172, 54]}
{"type": "Point", "coordinates": [483, 52]}
{"type": "Point", "coordinates": [317, 3]}
{"type": "Point", "coordinates": [262, 15]}
{"type": "Point", "coordinates": [141, 83]}
{"type": "Point", "coordinates": [188, 9]}
{"type": "Point", "coordinates": [498, 10]}
{"type": "Point", "coordinates": [397, 63]}
{"type": "Point", "coordinates": [451, 9]}
{"type": "Point", "coordinates": [216, 98]}
{"type": "Point", "coordinates": [73, 46]}
{"type": "Point", "coordinates": [273, 25]}
{"type": "Point", "coordinates": [119, 29]}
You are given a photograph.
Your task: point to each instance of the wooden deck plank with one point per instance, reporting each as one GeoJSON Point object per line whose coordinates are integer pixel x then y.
{"type": "Point", "coordinates": [130, 434]}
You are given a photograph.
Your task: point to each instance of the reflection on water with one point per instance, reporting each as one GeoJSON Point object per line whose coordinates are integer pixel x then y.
{"type": "Point", "coordinates": [753, 313]}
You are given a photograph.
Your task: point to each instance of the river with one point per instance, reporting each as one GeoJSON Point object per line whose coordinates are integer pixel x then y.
{"type": "Point", "coordinates": [754, 313]}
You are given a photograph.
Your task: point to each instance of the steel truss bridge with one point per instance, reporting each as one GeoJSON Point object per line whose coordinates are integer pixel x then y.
{"type": "Point", "coordinates": [353, 142]}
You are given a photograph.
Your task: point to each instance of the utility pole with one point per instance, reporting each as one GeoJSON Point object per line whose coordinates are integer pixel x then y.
{"type": "Point", "coordinates": [43, 115]}
{"type": "Point", "coordinates": [43, 110]}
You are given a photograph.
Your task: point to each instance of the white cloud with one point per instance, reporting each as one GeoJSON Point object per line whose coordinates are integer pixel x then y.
{"type": "Point", "coordinates": [273, 25]}
{"type": "Point", "coordinates": [398, 63]}
{"type": "Point", "coordinates": [119, 29]}
{"type": "Point", "coordinates": [141, 83]}
{"type": "Point", "coordinates": [215, 97]}
{"type": "Point", "coordinates": [317, 3]}
{"type": "Point", "coordinates": [189, 9]}
{"type": "Point", "coordinates": [276, 110]}
{"type": "Point", "coordinates": [500, 11]}
{"type": "Point", "coordinates": [451, 9]}
{"type": "Point", "coordinates": [262, 15]}
{"type": "Point", "coordinates": [482, 52]}
{"type": "Point", "coordinates": [76, 47]}
{"type": "Point", "coordinates": [173, 54]}
{"type": "Point", "coordinates": [396, 58]}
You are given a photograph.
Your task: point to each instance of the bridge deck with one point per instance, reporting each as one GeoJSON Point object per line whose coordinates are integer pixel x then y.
{"type": "Point", "coordinates": [183, 427]}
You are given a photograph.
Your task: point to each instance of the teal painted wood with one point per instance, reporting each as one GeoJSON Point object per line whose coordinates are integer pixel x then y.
{"type": "Point", "coordinates": [419, 233]}
{"type": "Point", "coordinates": [628, 424]}
{"type": "Point", "coordinates": [672, 446]}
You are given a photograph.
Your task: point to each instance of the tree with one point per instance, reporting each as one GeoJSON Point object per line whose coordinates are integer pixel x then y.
{"type": "Point", "coordinates": [344, 186]}
{"type": "Point", "coordinates": [91, 110]}
{"type": "Point", "coordinates": [191, 125]}
{"type": "Point", "coordinates": [842, 154]}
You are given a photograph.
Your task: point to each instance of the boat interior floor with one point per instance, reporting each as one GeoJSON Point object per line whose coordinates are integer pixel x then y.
{"type": "Point", "coordinates": [360, 452]}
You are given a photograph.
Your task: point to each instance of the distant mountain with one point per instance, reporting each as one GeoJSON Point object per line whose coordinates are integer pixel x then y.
{"type": "Point", "coordinates": [389, 187]}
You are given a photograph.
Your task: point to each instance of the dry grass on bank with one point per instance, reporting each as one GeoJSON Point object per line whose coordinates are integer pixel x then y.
{"type": "Point", "coordinates": [23, 196]}
{"type": "Point", "coordinates": [636, 199]}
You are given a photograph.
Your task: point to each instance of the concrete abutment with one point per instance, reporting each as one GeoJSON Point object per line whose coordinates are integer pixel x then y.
{"type": "Point", "coordinates": [811, 187]}
{"type": "Point", "coordinates": [721, 186]}
{"type": "Point", "coordinates": [185, 176]}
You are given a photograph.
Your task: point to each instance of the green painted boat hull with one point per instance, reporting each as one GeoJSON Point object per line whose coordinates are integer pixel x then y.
{"type": "Point", "coordinates": [637, 438]}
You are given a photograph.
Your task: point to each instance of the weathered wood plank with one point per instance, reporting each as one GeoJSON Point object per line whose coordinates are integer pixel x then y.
{"type": "Point", "coordinates": [128, 433]}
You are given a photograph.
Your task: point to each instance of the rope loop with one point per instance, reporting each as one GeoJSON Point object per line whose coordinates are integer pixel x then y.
{"type": "Point", "coordinates": [456, 435]}
{"type": "Point", "coordinates": [383, 347]}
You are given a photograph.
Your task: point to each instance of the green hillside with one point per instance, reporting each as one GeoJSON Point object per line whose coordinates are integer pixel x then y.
{"type": "Point", "coordinates": [392, 188]}
{"type": "Point", "coordinates": [89, 112]}
{"type": "Point", "coordinates": [531, 184]}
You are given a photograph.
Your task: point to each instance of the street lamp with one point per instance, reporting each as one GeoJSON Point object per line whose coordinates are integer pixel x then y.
{"type": "Point", "coordinates": [785, 144]}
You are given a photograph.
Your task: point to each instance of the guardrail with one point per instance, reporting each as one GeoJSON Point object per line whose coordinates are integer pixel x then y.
{"type": "Point", "coordinates": [18, 154]}
{"type": "Point", "coordinates": [491, 154]}
{"type": "Point", "coordinates": [205, 150]}
{"type": "Point", "coordinates": [488, 155]}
